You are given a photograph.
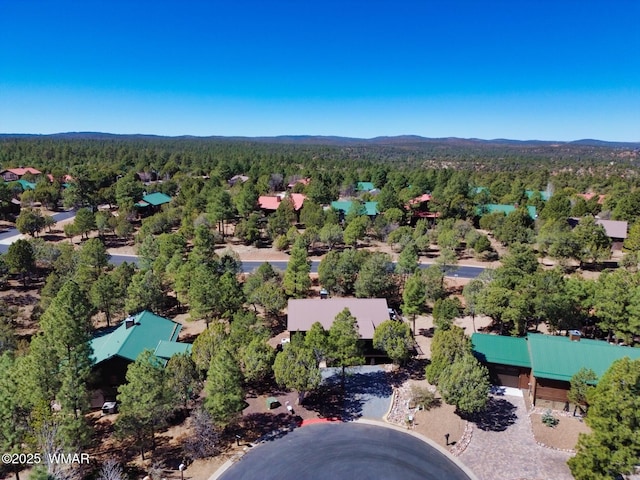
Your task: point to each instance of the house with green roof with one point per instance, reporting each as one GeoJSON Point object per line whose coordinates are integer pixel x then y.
{"type": "Point", "coordinates": [544, 195]}
{"type": "Point", "coordinates": [544, 364]}
{"type": "Point", "coordinates": [114, 350]}
{"type": "Point", "coordinates": [152, 202]}
{"type": "Point", "coordinates": [364, 187]}
{"type": "Point", "coordinates": [26, 185]}
{"type": "Point", "coordinates": [506, 209]}
{"type": "Point", "coordinates": [345, 206]}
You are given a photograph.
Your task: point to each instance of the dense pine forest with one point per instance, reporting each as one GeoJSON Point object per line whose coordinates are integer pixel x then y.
{"type": "Point", "coordinates": [386, 218]}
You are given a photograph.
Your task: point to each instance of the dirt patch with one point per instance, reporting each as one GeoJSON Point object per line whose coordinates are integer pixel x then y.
{"type": "Point", "coordinates": [438, 422]}
{"type": "Point", "coordinates": [564, 436]}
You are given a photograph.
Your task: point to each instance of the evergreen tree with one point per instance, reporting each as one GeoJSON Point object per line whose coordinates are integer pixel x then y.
{"type": "Point", "coordinates": [208, 343]}
{"type": "Point", "coordinates": [182, 378]}
{"type": "Point", "coordinates": [447, 347]}
{"type": "Point", "coordinates": [318, 341]}
{"type": "Point", "coordinates": [581, 388]}
{"type": "Point", "coordinates": [296, 281]}
{"type": "Point", "coordinates": [414, 297]}
{"type": "Point", "coordinates": [224, 395]}
{"type": "Point", "coordinates": [103, 295]}
{"type": "Point", "coordinates": [84, 221]}
{"type": "Point", "coordinates": [612, 448]}
{"type": "Point", "coordinates": [145, 292]}
{"type": "Point", "coordinates": [375, 279]}
{"type": "Point", "coordinates": [295, 367]}
{"type": "Point", "coordinates": [144, 401]}
{"type": "Point", "coordinates": [257, 360]}
{"type": "Point", "coordinates": [445, 311]}
{"type": "Point", "coordinates": [345, 346]}
{"type": "Point", "coordinates": [465, 384]}
{"type": "Point", "coordinates": [394, 338]}
{"type": "Point", "coordinates": [20, 258]}
{"type": "Point", "coordinates": [66, 324]}
{"type": "Point", "coordinates": [13, 419]}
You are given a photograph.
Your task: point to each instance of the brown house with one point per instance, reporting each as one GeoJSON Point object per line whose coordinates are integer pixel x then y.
{"type": "Point", "coordinates": [14, 174]}
{"type": "Point", "coordinates": [543, 365]}
{"type": "Point", "coordinates": [369, 313]}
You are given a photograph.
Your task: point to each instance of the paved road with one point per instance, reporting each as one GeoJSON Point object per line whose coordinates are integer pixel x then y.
{"type": "Point", "coordinates": [11, 235]}
{"type": "Point", "coordinates": [349, 451]}
{"type": "Point", "coordinates": [462, 271]}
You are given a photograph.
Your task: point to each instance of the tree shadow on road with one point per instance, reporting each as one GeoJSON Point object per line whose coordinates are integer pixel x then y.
{"type": "Point", "coordinates": [265, 426]}
{"type": "Point", "coordinates": [413, 369]}
{"type": "Point", "coordinates": [499, 415]}
{"type": "Point", "coordinates": [335, 400]}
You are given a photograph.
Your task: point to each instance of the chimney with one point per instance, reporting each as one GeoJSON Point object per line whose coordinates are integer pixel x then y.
{"type": "Point", "coordinates": [129, 322]}
{"type": "Point", "coordinates": [574, 335]}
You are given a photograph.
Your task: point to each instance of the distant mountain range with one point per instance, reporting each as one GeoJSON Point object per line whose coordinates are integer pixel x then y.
{"type": "Point", "coordinates": [400, 140]}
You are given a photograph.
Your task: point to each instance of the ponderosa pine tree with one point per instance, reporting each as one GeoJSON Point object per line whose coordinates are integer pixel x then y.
{"type": "Point", "coordinates": [224, 395]}
{"type": "Point", "coordinates": [394, 338]}
{"type": "Point", "coordinates": [345, 345]}
{"type": "Point", "coordinates": [144, 401]}
{"type": "Point", "coordinates": [296, 281]}
{"type": "Point", "coordinates": [612, 448]}
{"type": "Point", "coordinates": [296, 368]}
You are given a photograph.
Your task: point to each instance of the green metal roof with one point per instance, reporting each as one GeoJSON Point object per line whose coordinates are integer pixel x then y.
{"type": "Point", "coordinates": [26, 185]}
{"type": "Point", "coordinates": [370, 208]}
{"type": "Point", "coordinates": [501, 349]}
{"type": "Point", "coordinates": [543, 194]}
{"type": "Point", "coordinates": [506, 209]}
{"type": "Point", "coordinates": [146, 333]}
{"type": "Point", "coordinates": [156, 198]}
{"type": "Point", "coordinates": [559, 358]}
{"type": "Point", "coordinates": [364, 186]}
{"type": "Point", "coordinates": [167, 349]}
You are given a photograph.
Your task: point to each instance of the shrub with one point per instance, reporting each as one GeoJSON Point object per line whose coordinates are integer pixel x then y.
{"type": "Point", "coordinates": [423, 398]}
{"type": "Point", "coordinates": [549, 420]}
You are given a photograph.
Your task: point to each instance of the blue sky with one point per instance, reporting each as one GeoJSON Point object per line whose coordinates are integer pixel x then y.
{"type": "Point", "coordinates": [530, 69]}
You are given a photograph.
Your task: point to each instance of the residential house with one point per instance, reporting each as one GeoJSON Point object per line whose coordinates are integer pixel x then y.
{"type": "Point", "coordinates": [237, 179]}
{"type": "Point", "coordinates": [152, 203]}
{"type": "Point", "coordinates": [543, 365]}
{"type": "Point", "coordinates": [66, 179]}
{"type": "Point", "coordinates": [295, 181]}
{"type": "Point", "coordinates": [344, 207]}
{"type": "Point", "coordinates": [270, 203]}
{"type": "Point", "coordinates": [543, 194]}
{"type": "Point", "coordinates": [506, 209]}
{"type": "Point", "coordinates": [362, 187]}
{"type": "Point", "coordinates": [14, 174]}
{"type": "Point", "coordinates": [115, 350]}
{"type": "Point", "coordinates": [616, 230]}
{"type": "Point", "coordinates": [369, 313]}
{"type": "Point", "coordinates": [419, 208]}
{"type": "Point", "coordinates": [588, 196]}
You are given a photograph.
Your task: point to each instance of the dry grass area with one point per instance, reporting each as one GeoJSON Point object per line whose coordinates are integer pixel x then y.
{"type": "Point", "coordinates": [438, 422]}
{"type": "Point", "coordinates": [563, 436]}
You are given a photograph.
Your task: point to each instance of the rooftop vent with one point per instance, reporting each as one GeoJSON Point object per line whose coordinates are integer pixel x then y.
{"type": "Point", "coordinates": [574, 335]}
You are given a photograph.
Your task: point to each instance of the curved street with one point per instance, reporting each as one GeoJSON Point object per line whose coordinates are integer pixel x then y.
{"type": "Point", "coordinates": [349, 451]}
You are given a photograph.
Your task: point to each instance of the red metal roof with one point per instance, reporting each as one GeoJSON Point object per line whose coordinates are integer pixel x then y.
{"type": "Point", "coordinates": [21, 171]}
{"type": "Point", "coordinates": [421, 199]}
{"type": "Point", "coordinates": [271, 202]}
{"type": "Point", "coordinates": [589, 196]}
